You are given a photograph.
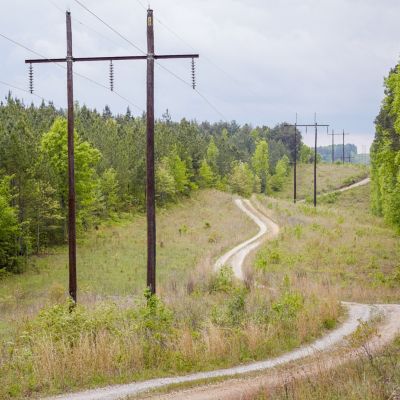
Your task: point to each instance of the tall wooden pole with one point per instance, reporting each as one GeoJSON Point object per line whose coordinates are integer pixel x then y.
{"type": "Point", "coordinates": [150, 183]}
{"type": "Point", "coordinates": [315, 165]}
{"type": "Point", "coordinates": [343, 148]}
{"type": "Point", "coordinates": [71, 167]}
{"type": "Point", "coordinates": [295, 163]}
{"type": "Point", "coordinates": [333, 147]}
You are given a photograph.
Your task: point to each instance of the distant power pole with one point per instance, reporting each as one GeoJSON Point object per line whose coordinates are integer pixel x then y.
{"type": "Point", "coordinates": [344, 134]}
{"type": "Point", "coordinates": [333, 134]}
{"type": "Point", "coordinates": [150, 181]}
{"type": "Point", "coordinates": [316, 126]}
{"type": "Point", "coordinates": [295, 161]}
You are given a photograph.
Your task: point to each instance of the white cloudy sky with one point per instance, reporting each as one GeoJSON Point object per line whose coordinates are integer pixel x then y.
{"type": "Point", "coordinates": [261, 60]}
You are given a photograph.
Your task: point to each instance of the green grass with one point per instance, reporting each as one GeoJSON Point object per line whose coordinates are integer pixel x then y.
{"type": "Point", "coordinates": [205, 320]}
{"type": "Point", "coordinates": [220, 323]}
{"type": "Point", "coordinates": [329, 177]}
{"type": "Point", "coordinates": [339, 245]}
{"type": "Point", "coordinates": [338, 250]}
{"type": "Point", "coordinates": [112, 260]}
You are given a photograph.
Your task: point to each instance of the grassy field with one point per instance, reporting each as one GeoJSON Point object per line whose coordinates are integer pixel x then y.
{"type": "Point", "coordinates": [339, 245]}
{"type": "Point", "coordinates": [203, 320]}
{"type": "Point", "coordinates": [329, 177]}
{"type": "Point", "coordinates": [351, 255]}
{"type": "Point", "coordinates": [112, 259]}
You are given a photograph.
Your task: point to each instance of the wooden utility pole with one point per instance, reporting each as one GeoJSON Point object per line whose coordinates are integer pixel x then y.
{"type": "Point", "coordinates": [71, 167]}
{"type": "Point", "coordinates": [333, 134]}
{"type": "Point", "coordinates": [150, 187]}
{"type": "Point", "coordinates": [344, 134]}
{"type": "Point", "coordinates": [150, 57]}
{"type": "Point", "coordinates": [316, 126]}
{"type": "Point", "coordinates": [295, 164]}
{"type": "Point", "coordinates": [294, 161]}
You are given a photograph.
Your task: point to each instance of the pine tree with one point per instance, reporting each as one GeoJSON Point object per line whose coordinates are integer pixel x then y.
{"type": "Point", "coordinates": [260, 163]}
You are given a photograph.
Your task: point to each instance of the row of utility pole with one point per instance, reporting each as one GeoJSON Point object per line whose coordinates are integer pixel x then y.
{"type": "Point", "coordinates": [333, 134]}
{"type": "Point", "coordinates": [150, 57]}
{"type": "Point", "coordinates": [343, 134]}
{"type": "Point", "coordinates": [315, 125]}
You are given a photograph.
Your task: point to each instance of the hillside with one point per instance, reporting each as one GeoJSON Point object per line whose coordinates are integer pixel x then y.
{"type": "Point", "coordinates": [329, 177]}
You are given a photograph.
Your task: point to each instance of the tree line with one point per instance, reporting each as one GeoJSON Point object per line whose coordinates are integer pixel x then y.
{"type": "Point", "coordinates": [385, 153]}
{"type": "Point", "coordinates": [110, 168]}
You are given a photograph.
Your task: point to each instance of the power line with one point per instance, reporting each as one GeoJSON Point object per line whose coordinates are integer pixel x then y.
{"type": "Point", "coordinates": [10, 85]}
{"type": "Point", "coordinates": [83, 24]}
{"type": "Point", "coordinates": [109, 26]}
{"type": "Point", "coordinates": [138, 48]}
{"type": "Point", "coordinates": [64, 67]}
{"type": "Point", "coordinates": [232, 78]}
{"type": "Point", "coordinates": [142, 5]}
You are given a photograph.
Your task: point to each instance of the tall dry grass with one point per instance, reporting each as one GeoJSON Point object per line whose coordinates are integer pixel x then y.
{"type": "Point", "coordinates": [217, 323]}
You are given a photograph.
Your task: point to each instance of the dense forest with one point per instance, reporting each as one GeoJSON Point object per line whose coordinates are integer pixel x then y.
{"type": "Point", "coordinates": [110, 168]}
{"type": "Point", "coordinates": [385, 153]}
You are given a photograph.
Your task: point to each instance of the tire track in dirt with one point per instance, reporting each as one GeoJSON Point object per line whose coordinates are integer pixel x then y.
{"type": "Point", "coordinates": [236, 389]}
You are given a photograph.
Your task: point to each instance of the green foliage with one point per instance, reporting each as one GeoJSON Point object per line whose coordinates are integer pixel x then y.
{"type": "Point", "coordinates": [109, 190]}
{"type": "Point", "coordinates": [385, 154]}
{"type": "Point", "coordinates": [329, 198]}
{"type": "Point", "coordinates": [282, 171]}
{"type": "Point", "coordinates": [242, 180]}
{"type": "Point", "coordinates": [212, 156]}
{"type": "Point", "coordinates": [260, 163]}
{"type": "Point", "coordinates": [268, 258]}
{"type": "Point", "coordinates": [180, 173]}
{"type": "Point", "coordinates": [223, 280]}
{"type": "Point", "coordinates": [232, 314]}
{"type": "Point", "coordinates": [10, 229]}
{"type": "Point", "coordinates": [54, 154]}
{"type": "Point", "coordinates": [306, 154]}
{"type": "Point", "coordinates": [288, 305]}
{"type": "Point", "coordinates": [165, 182]}
{"type": "Point", "coordinates": [110, 164]}
{"type": "Point", "coordinates": [206, 176]}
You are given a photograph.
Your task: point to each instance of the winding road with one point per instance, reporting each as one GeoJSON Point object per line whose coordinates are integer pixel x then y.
{"type": "Point", "coordinates": [236, 388]}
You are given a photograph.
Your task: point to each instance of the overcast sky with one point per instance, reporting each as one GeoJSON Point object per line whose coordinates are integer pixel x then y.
{"type": "Point", "coordinates": [261, 61]}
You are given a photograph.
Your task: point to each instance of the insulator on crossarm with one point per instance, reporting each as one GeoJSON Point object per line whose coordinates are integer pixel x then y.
{"type": "Point", "coordinates": [193, 74]}
{"type": "Point", "coordinates": [111, 76]}
{"type": "Point", "coordinates": [31, 78]}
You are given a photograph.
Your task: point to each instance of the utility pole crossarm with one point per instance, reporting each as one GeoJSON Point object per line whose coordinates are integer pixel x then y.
{"type": "Point", "coordinates": [110, 58]}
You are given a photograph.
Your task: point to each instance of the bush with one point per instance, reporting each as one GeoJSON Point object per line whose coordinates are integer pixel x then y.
{"type": "Point", "coordinates": [242, 180]}
{"type": "Point", "coordinates": [223, 280]}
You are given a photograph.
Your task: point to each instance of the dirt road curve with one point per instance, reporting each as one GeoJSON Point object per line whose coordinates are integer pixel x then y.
{"type": "Point", "coordinates": [236, 388]}
{"type": "Point", "coordinates": [239, 389]}
{"type": "Point", "coordinates": [344, 189]}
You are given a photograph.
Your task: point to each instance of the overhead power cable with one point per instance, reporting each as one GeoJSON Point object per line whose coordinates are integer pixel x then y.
{"type": "Point", "coordinates": [208, 59]}
{"type": "Point", "coordinates": [10, 85]}
{"type": "Point", "coordinates": [144, 53]}
{"type": "Point", "coordinates": [75, 73]}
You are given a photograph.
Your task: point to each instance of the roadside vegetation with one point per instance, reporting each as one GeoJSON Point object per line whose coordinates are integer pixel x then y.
{"type": "Point", "coordinates": [329, 177]}
{"type": "Point", "coordinates": [350, 254]}
{"type": "Point", "coordinates": [339, 245]}
{"type": "Point", "coordinates": [112, 259]}
{"type": "Point", "coordinates": [207, 321]}
{"type": "Point", "coordinates": [373, 378]}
